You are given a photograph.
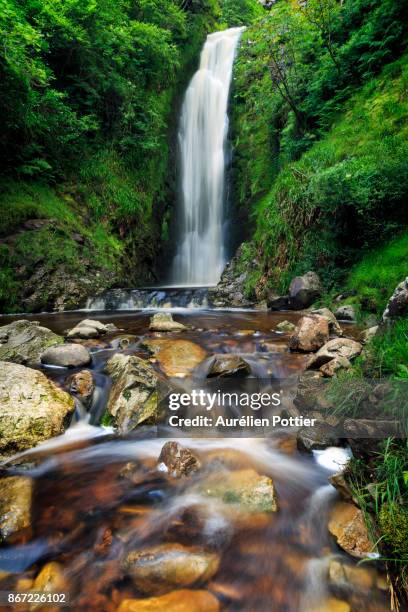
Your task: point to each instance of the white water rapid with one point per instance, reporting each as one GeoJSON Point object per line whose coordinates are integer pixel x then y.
{"type": "Point", "coordinates": [202, 139]}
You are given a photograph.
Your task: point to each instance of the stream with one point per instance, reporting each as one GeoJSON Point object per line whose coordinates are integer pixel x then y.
{"type": "Point", "coordinates": [88, 513]}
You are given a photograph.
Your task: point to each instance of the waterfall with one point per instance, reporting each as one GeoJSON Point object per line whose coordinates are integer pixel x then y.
{"type": "Point", "coordinates": [202, 138]}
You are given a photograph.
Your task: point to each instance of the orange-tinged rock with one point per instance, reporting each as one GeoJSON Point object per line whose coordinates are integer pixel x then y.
{"type": "Point", "coordinates": [176, 357]}
{"type": "Point", "coordinates": [177, 601]}
{"type": "Point", "coordinates": [346, 523]}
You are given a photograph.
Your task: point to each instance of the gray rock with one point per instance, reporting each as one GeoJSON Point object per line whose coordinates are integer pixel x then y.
{"type": "Point", "coordinates": [304, 290]}
{"type": "Point", "coordinates": [316, 438]}
{"type": "Point", "coordinates": [32, 408]}
{"type": "Point", "coordinates": [345, 313]}
{"type": "Point", "coordinates": [15, 505]}
{"type": "Point", "coordinates": [368, 334]}
{"type": "Point", "coordinates": [163, 322]}
{"type": "Point", "coordinates": [398, 303]}
{"type": "Point", "coordinates": [339, 347]}
{"type": "Point", "coordinates": [228, 366]}
{"type": "Point", "coordinates": [133, 399]}
{"type": "Point", "coordinates": [24, 341]}
{"type": "Point", "coordinates": [90, 328]}
{"type": "Point", "coordinates": [67, 356]}
{"type": "Point", "coordinates": [231, 289]}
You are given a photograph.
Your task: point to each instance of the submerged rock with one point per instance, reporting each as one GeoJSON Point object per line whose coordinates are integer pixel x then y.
{"type": "Point", "coordinates": [133, 399]}
{"type": "Point", "coordinates": [177, 460]}
{"type": "Point", "coordinates": [244, 489]}
{"type": "Point", "coordinates": [183, 600]}
{"type": "Point", "coordinates": [311, 333]}
{"type": "Point", "coordinates": [32, 408]}
{"type": "Point", "coordinates": [82, 385]}
{"type": "Point", "coordinates": [163, 322]}
{"type": "Point", "coordinates": [345, 313]}
{"type": "Point", "coordinates": [285, 326]}
{"type": "Point", "coordinates": [159, 569]}
{"type": "Point", "coordinates": [15, 505]}
{"type": "Point", "coordinates": [67, 356]}
{"type": "Point", "coordinates": [398, 303]}
{"type": "Point", "coordinates": [331, 604]}
{"type": "Point", "coordinates": [229, 366]}
{"type": "Point", "coordinates": [24, 341]}
{"type": "Point", "coordinates": [339, 347]}
{"type": "Point", "coordinates": [346, 524]}
{"type": "Point", "coordinates": [304, 290]}
{"type": "Point", "coordinates": [176, 357]}
{"type": "Point", "coordinates": [347, 577]}
{"type": "Point", "coordinates": [51, 579]}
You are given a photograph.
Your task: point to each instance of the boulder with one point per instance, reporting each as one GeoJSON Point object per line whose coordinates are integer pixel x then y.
{"type": "Point", "coordinates": [32, 408]}
{"type": "Point", "coordinates": [277, 302]}
{"type": "Point", "coordinates": [311, 333]}
{"type": "Point", "coordinates": [163, 322]}
{"type": "Point", "coordinates": [245, 490]}
{"type": "Point", "coordinates": [368, 334]}
{"type": "Point", "coordinates": [346, 524]}
{"type": "Point", "coordinates": [183, 600]}
{"type": "Point", "coordinates": [330, 368]}
{"type": "Point", "coordinates": [67, 356]}
{"type": "Point", "coordinates": [133, 398]}
{"type": "Point", "coordinates": [398, 303]}
{"type": "Point", "coordinates": [160, 569]}
{"type": "Point", "coordinates": [339, 347]}
{"type": "Point", "coordinates": [285, 326]}
{"type": "Point", "coordinates": [346, 577]}
{"type": "Point", "coordinates": [318, 437]}
{"type": "Point", "coordinates": [15, 505]}
{"type": "Point", "coordinates": [82, 385]}
{"type": "Point", "coordinates": [90, 328]}
{"type": "Point", "coordinates": [304, 290]}
{"type": "Point", "coordinates": [345, 313]}
{"type": "Point", "coordinates": [228, 366]}
{"type": "Point", "coordinates": [24, 341]}
{"type": "Point", "coordinates": [177, 460]}
{"type": "Point", "coordinates": [340, 483]}
{"type": "Point", "coordinates": [334, 327]}
{"type": "Point", "coordinates": [176, 357]}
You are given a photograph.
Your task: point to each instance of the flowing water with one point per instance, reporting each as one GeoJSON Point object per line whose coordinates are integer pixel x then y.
{"type": "Point", "coordinates": [203, 131]}
{"type": "Point", "coordinates": [87, 515]}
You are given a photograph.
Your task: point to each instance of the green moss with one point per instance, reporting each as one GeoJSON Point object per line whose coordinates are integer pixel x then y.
{"type": "Point", "coordinates": [393, 522]}
{"type": "Point", "coordinates": [107, 420]}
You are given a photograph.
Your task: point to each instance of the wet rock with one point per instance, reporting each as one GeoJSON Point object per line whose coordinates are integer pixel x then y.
{"type": "Point", "coordinates": [133, 398]}
{"type": "Point", "coordinates": [162, 568]}
{"type": "Point", "coordinates": [340, 483]}
{"type": "Point", "coordinates": [345, 313]}
{"type": "Point", "coordinates": [176, 357]}
{"type": "Point", "coordinates": [346, 524]}
{"type": "Point", "coordinates": [334, 327]}
{"type": "Point", "coordinates": [331, 605]}
{"type": "Point", "coordinates": [277, 302]}
{"type": "Point", "coordinates": [245, 490]}
{"type": "Point", "coordinates": [228, 366]}
{"type": "Point", "coordinates": [339, 347]}
{"type": "Point", "coordinates": [182, 600]}
{"type": "Point", "coordinates": [345, 577]}
{"type": "Point", "coordinates": [177, 460]}
{"type": "Point", "coordinates": [318, 437]}
{"type": "Point", "coordinates": [231, 289]}
{"type": "Point", "coordinates": [398, 303]}
{"type": "Point", "coordinates": [67, 356]}
{"type": "Point", "coordinates": [285, 326]}
{"type": "Point", "coordinates": [51, 579]}
{"type": "Point", "coordinates": [82, 385]}
{"type": "Point", "coordinates": [24, 341]}
{"type": "Point", "coordinates": [331, 368]}
{"type": "Point", "coordinates": [304, 290]}
{"type": "Point", "coordinates": [90, 328]}
{"type": "Point", "coordinates": [163, 322]}
{"type": "Point", "coordinates": [15, 505]}
{"type": "Point", "coordinates": [368, 334]}
{"type": "Point", "coordinates": [32, 408]}
{"type": "Point", "coordinates": [311, 333]}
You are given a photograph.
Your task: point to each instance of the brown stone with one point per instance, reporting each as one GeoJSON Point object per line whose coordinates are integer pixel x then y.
{"type": "Point", "coordinates": [346, 524]}
{"type": "Point", "coordinates": [183, 600]}
{"type": "Point", "coordinates": [339, 347]}
{"type": "Point", "coordinates": [15, 505]}
{"type": "Point", "coordinates": [82, 385]}
{"type": "Point", "coordinates": [178, 460]}
{"type": "Point", "coordinates": [176, 357]}
{"type": "Point", "coordinates": [228, 366]}
{"type": "Point", "coordinates": [311, 333]}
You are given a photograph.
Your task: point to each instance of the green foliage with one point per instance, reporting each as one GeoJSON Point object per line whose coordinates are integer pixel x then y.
{"type": "Point", "coordinates": [387, 352]}
{"type": "Point", "coordinates": [236, 13]}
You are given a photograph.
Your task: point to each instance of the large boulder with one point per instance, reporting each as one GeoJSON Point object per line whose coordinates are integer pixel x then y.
{"type": "Point", "coordinates": [133, 398]}
{"type": "Point", "coordinates": [228, 366]}
{"type": "Point", "coordinates": [32, 408]}
{"type": "Point", "coordinates": [176, 357]}
{"type": "Point", "coordinates": [162, 568]}
{"type": "Point", "coordinates": [398, 303]}
{"type": "Point", "coordinates": [182, 600]}
{"type": "Point", "coordinates": [24, 342]}
{"type": "Point", "coordinates": [177, 460]}
{"type": "Point", "coordinates": [15, 505]}
{"type": "Point", "coordinates": [346, 524]}
{"type": "Point", "coordinates": [90, 328]}
{"type": "Point", "coordinates": [163, 322]}
{"type": "Point", "coordinates": [277, 302]}
{"type": "Point", "coordinates": [311, 333]}
{"type": "Point", "coordinates": [304, 290]}
{"type": "Point", "coordinates": [67, 356]}
{"type": "Point", "coordinates": [334, 349]}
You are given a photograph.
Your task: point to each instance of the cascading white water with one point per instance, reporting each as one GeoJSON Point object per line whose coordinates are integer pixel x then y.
{"type": "Point", "coordinates": [202, 139]}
